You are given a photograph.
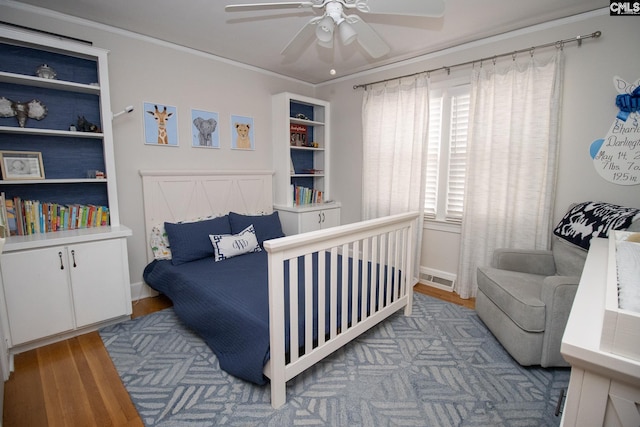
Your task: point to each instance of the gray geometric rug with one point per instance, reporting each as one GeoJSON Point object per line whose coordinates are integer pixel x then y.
{"type": "Point", "coordinates": [438, 367]}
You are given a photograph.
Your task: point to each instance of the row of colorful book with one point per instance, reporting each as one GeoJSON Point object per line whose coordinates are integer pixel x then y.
{"type": "Point", "coordinates": [24, 217]}
{"type": "Point", "coordinates": [306, 196]}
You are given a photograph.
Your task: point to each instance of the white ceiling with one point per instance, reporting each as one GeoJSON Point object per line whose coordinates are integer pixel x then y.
{"type": "Point", "coordinates": [257, 37]}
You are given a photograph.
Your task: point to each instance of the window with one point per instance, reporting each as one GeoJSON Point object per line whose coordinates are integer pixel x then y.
{"type": "Point", "coordinates": [447, 152]}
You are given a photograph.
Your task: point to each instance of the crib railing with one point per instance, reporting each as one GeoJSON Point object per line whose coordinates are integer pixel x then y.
{"type": "Point", "coordinates": [329, 286]}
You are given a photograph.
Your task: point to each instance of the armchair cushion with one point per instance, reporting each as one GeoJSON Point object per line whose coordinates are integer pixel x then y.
{"type": "Point", "coordinates": [520, 301]}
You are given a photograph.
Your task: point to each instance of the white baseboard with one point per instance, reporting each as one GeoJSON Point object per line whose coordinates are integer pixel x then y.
{"type": "Point", "coordinates": [141, 290]}
{"type": "Point", "coordinates": [437, 278]}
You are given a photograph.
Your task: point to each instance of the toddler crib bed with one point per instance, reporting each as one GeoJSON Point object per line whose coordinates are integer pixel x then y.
{"type": "Point", "coordinates": [286, 302]}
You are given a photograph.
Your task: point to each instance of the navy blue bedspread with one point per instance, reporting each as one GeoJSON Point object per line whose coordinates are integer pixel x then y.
{"type": "Point", "coordinates": [227, 304]}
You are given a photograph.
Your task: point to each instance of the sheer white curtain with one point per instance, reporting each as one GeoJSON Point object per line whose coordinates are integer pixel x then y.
{"type": "Point", "coordinates": [395, 117]}
{"type": "Point", "coordinates": [512, 158]}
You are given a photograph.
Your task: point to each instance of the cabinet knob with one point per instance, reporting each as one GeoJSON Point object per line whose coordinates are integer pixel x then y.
{"type": "Point", "coordinates": [322, 216]}
{"type": "Point", "coordinates": [73, 257]}
{"type": "Point", "coordinates": [319, 218]}
{"type": "Point", "coordinates": [61, 263]}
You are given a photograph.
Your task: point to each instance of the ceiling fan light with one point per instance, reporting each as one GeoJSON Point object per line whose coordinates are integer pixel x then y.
{"type": "Point", "coordinates": [347, 33]}
{"type": "Point", "coordinates": [324, 30]}
{"type": "Point", "coordinates": [326, 45]}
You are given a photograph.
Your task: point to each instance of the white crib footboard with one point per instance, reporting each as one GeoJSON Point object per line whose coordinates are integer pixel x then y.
{"type": "Point", "coordinates": [327, 287]}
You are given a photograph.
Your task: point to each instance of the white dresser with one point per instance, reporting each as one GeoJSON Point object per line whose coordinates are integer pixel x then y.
{"type": "Point", "coordinates": [604, 389]}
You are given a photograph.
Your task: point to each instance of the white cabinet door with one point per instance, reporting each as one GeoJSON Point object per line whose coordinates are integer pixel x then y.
{"type": "Point", "coordinates": [98, 271]}
{"type": "Point", "coordinates": [37, 294]}
{"type": "Point", "coordinates": [317, 220]}
{"type": "Point", "coordinates": [330, 218]}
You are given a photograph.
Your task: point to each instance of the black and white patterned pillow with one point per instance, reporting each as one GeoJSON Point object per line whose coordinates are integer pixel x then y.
{"type": "Point", "coordinates": [226, 246]}
{"type": "Point", "coordinates": [594, 219]}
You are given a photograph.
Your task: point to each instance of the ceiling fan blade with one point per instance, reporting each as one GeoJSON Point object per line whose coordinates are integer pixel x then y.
{"type": "Point", "coordinates": [281, 5]}
{"type": "Point", "coordinates": [427, 8]}
{"type": "Point", "coordinates": [368, 38]}
{"type": "Point", "coordinates": [300, 40]}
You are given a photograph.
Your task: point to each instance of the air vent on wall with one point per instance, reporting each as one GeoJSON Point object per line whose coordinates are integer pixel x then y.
{"type": "Point", "coordinates": [437, 279]}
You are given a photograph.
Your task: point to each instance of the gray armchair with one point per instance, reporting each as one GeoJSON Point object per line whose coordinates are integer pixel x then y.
{"type": "Point", "coordinates": [525, 298]}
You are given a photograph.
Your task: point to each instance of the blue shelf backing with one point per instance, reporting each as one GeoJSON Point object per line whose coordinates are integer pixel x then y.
{"type": "Point", "coordinates": [25, 60]}
{"type": "Point", "coordinates": [63, 108]}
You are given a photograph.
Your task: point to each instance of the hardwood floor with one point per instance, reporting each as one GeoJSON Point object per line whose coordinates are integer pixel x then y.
{"type": "Point", "coordinates": [74, 383]}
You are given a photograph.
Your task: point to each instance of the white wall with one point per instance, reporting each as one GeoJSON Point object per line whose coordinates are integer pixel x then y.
{"type": "Point", "coordinates": [587, 113]}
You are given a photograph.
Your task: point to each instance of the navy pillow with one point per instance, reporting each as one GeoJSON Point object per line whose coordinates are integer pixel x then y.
{"type": "Point", "coordinates": [189, 241]}
{"type": "Point", "coordinates": [266, 226]}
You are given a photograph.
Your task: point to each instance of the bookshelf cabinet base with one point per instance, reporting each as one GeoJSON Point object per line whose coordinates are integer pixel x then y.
{"type": "Point", "coordinates": [301, 219]}
{"type": "Point", "coordinates": [63, 287]}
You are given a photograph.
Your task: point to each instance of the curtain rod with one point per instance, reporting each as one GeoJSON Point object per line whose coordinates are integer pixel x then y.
{"type": "Point", "coordinates": [558, 44]}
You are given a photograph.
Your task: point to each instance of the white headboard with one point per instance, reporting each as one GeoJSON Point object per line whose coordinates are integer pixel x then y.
{"type": "Point", "coordinates": [175, 195]}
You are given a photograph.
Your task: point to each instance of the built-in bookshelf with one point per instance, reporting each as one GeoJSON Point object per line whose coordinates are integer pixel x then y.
{"type": "Point", "coordinates": [77, 166]}
{"type": "Point", "coordinates": [64, 267]}
{"type": "Point", "coordinates": [301, 149]}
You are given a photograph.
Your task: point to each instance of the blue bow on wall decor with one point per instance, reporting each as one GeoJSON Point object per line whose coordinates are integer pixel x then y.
{"type": "Point", "coordinates": [628, 103]}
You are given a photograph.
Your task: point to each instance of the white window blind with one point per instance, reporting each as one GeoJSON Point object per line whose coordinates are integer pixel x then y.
{"type": "Point", "coordinates": [447, 153]}
{"type": "Point", "coordinates": [457, 155]}
{"type": "Point", "coordinates": [433, 155]}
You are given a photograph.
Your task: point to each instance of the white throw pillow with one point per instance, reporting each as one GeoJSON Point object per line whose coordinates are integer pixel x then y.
{"type": "Point", "coordinates": [229, 245]}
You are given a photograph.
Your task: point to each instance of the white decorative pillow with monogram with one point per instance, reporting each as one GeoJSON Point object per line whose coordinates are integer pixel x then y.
{"type": "Point", "coordinates": [227, 246]}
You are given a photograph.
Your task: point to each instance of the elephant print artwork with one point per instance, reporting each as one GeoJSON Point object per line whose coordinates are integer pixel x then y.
{"type": "Point", "coordinates": [204, 129]}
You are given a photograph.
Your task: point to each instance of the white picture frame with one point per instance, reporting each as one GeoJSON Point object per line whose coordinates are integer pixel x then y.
{"type": "Point", "coordinates": [205, 129]}
{"type": "Point", "coordinates": [18, 165]}
{"type": "Point", "coordinates": [160, 124]}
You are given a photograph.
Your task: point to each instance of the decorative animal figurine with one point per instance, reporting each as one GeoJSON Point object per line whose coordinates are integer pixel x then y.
{"type": "Point", "coordinates": [83, 125]}
{"type": "Point", "coordinates": [161, 118]}
{"type": "Point", "coordinates": [33, 109]}
{"type": "Point", "coordinates": [205, 129]}
{"type": "Point", "coordinates": [243, 141]}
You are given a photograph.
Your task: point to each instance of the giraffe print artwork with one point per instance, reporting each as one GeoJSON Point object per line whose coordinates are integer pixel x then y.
{"type": "Point", "coordinates": [160, 125]}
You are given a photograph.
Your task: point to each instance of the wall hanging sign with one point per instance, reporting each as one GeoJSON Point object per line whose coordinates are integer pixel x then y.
{"type": "Point", "coordinates": [617, 156]}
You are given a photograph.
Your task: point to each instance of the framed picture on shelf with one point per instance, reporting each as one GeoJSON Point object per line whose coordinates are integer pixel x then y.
{"type": "Point", "coordinates": [21, 165]}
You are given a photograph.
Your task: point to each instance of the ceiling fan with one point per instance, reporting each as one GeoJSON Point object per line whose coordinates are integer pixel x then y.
{"type": "Point", "coordinates": [348, 27]}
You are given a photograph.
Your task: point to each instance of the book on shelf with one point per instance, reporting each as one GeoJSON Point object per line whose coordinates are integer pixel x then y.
{"type": "Point", "coordinates": [34, 217]}
{"type": "Point", "coordinates": [4, 222]}
{"type": "Point", "coordinates": [306, 196]}
{"type": "Point", "coordinates": [298, 135]}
